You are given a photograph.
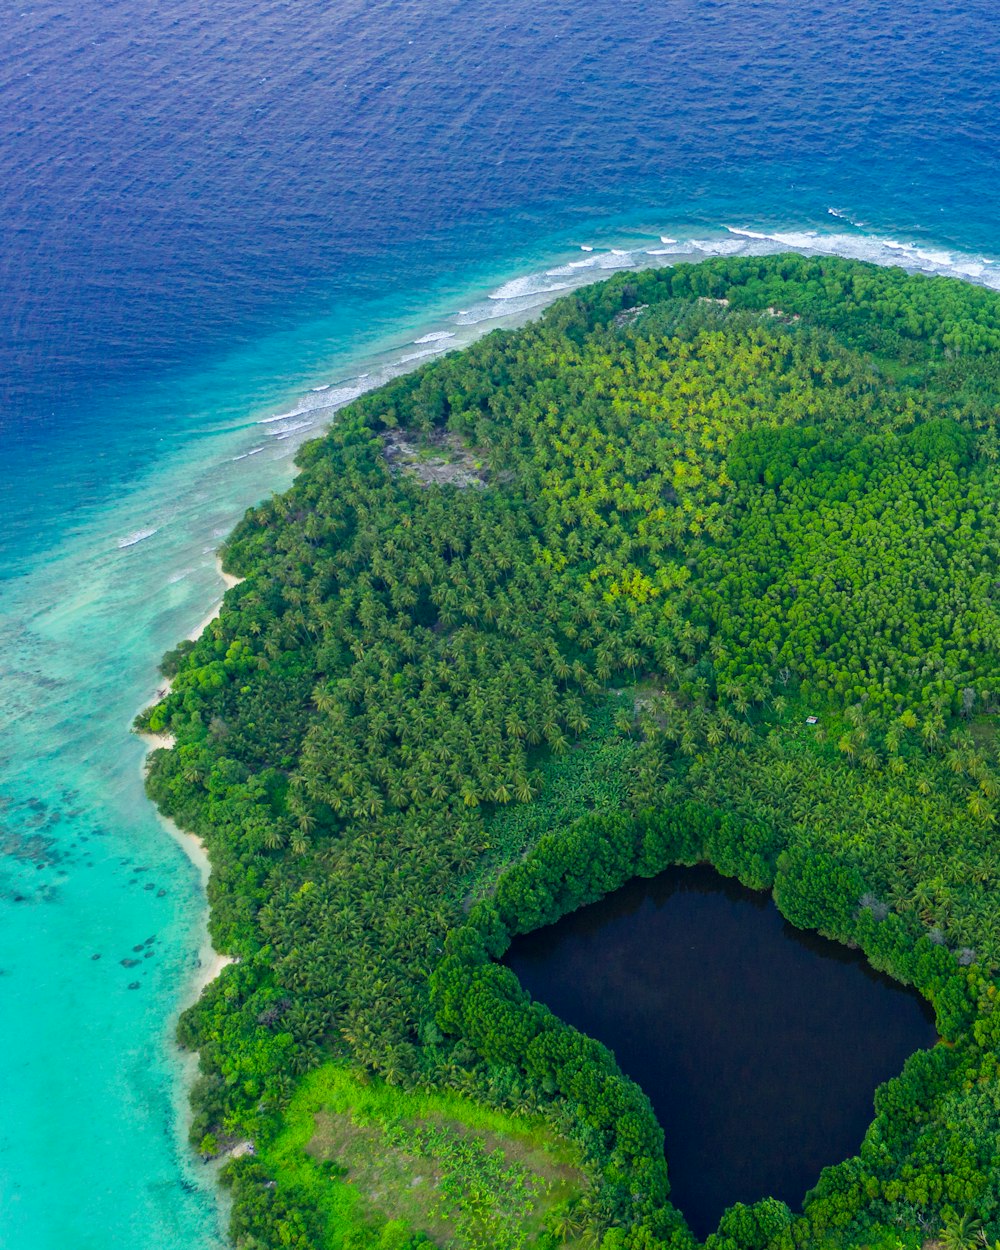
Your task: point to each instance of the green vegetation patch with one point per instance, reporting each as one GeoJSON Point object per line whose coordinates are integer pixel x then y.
{"type": "Point", "coordinates": [386, 1166]}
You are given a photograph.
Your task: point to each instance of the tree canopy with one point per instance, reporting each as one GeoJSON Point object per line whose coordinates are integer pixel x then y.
{"type": "Point", "coordinates": [701, 505]}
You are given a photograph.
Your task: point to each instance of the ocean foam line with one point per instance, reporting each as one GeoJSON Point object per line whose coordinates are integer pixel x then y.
{"type": "Point", "coordinates": [615, 258]}
{"type": "Point", "coordinates": [330, 398]}
{"type": "Point", "coordinates": [284, 416]}
{"type": "Point", "coordinates": [835, 212]}
{"type": "Point", "coordinates": [290, 429]}
{"type": "Point", "coordinates": [530, 284]}
{"type": "Point", "coordinates": [429, 351]}
{"type": "Point", "coordinates": [435, 336]}
{"type": "Point", "coordinates": [139, 536]}
{"type": "Point", "coordinates": [564, 271]}
{"type": "Point", "coordinates": [881, 250]}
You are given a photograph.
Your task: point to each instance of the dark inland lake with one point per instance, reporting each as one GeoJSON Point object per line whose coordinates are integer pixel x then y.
{"type": "Point", "coordinates": [760, 1046]}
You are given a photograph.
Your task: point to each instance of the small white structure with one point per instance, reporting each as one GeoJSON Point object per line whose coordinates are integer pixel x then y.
{"type": "Point", "coordinates": [812, 720]}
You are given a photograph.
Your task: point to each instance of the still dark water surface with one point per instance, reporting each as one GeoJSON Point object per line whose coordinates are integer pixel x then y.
{"type": "Point", "coordinates": [759, 1045]}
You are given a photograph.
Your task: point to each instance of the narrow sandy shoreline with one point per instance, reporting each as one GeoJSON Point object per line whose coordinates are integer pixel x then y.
{"type": "Point", "coordinates": [210, 961]}
{"type": "Point", "coordinates": [230, 581]}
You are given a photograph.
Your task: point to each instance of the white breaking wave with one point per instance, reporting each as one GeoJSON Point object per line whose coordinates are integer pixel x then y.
{"type": "Point", "coordinates": [531, 284]}
{"type": "Point", "coordinates": [835, 212]}
{"type": "Point", "coordinates": [290, 429]}
{"type": "Point", "coordinates": [435, 336]}
{"type": "Point", "coordinates": [291, 414]}
{"type": "Point", "coordinates": [615, 259]}
{"type": "Point", "coordinates": [482, 312]}
{"type": "Point", "coordinates": [725, 247]}
{"type": "Point", "coordinates": [284, 416]}
{"type": "Point", "coordinates": [514, 298]}
{"type": "Point", "coordinates": [139, 536]}
{"type": "Point", "coordinates": [563, 271]}
{"type": "Point", "coordinates": [331, 397]}
{"type": "Point", "coordinates": [430, 351]}
{"type": "Point", "coordinates": [880, 250]}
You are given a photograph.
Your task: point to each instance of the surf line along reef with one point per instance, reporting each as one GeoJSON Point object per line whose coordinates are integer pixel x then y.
{"type": "Point", "coordinates": [711, 577]}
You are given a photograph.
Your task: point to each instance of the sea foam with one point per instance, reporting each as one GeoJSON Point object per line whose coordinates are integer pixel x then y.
{"type": "Point", "coordinates": [330, 397]}
{"type": "Point", "coordinates": [130, 540]}
{"type": "Point", "coordinates": [435, 336]}
{"type": "Point", "coordinates": [410, 356]}
{"type": "Point", "coordinates": [530, 284]}
{"type": "Point", "coordinates": [880, 250]}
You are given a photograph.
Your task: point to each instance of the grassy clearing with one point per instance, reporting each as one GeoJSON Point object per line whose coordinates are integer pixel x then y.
{"type": "Point", "coordinates": [384, 1166]}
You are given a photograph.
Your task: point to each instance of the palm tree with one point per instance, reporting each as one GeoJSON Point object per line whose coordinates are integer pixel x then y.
{"type": "Point", "coordinates": [960, 1232]}
{"type": "Point", "coordinates": [923, 899]}
{"type": "Point", "coordinates": [523, 789]}
{"type": "Point", "coordinates": [272, 838]}
{"type": "Point", "coordinates": [955, 759]}
{"type": "Point", "coordinates": [568, 1224]}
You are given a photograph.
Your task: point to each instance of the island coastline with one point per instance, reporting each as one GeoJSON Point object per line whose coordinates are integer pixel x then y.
{"type": "Point", "coordinates": [210, 961]}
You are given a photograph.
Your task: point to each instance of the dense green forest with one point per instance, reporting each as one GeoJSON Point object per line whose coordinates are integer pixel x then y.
{"type": "Point", "coordinates": [551, 613]}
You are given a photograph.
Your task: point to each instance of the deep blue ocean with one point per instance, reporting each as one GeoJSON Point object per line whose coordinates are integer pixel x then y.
{"type": "Point", "coordinates": [217, 223]}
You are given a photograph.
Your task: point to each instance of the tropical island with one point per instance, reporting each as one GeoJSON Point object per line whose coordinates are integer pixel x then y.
{"type": "Point", "coordinates": [703, 567]}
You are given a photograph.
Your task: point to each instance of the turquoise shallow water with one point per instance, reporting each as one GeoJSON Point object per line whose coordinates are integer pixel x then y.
{"type": "Point", "coordinates": [91, 1141]}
